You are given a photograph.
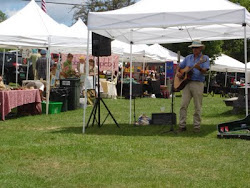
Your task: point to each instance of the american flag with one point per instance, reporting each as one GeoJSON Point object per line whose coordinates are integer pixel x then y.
{"type": "Point", "coordinates": [43, 6]}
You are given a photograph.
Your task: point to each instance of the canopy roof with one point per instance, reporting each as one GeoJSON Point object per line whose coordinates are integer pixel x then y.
{"type": "Point", "coordinates": [140, 52]}
{"type": "Point", "coordinates": [225, 63]}
{"type": "Point", "coordinates": [32, 27]}
{"type": "Point", "coordinates": [164, 53]}
{"type": "Point", "coordinates": [79, 30]}
{"type": "Point", "coordinates": [167, 21]}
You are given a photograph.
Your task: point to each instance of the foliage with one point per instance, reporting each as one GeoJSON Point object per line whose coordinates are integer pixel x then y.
{"type": "Point", "coordinates": [81, 11]}
{"type": "Point", "coordinates": [244, 3]}
{"type": "Point", "coordinates": [235, 48]}
{"type": "Point", "coordinates": [51, 151]}
{"type": "Point", "coordinates": [212, 49]}
{"type": "Point", "coordinates": [2, 16]}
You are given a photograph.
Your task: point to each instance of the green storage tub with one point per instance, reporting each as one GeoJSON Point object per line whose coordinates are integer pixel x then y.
{"type": "Point", "coordinates": [54, 107]}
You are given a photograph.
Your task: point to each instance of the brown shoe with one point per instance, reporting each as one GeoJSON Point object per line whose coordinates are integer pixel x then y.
{"type": "Point", "coordinates": [182, 129]}
{"type": "Point", "coordinates": [196, 130]}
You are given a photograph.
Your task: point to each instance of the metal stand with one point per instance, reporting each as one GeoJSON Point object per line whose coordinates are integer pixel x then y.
{"type": "Point", "coordinates": [134, 110]}
{"type": "Point", "coordinates": [172, 112]}
{"type": "Point", "coordinates": [172, 108]}
{"type": "Point", "coordinates": [97, 108]}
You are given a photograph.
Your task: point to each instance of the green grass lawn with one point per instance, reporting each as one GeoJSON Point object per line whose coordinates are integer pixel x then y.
{"type": "Point", "coordinates": [51, 151]}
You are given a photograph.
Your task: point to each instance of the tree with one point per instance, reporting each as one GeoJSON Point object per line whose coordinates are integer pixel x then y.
{"type": "Point", "coordinates": [81, 11]}
{"type": "Point", "coordinates": [235, 48]}
{"type": "Point", "coordinates": [2, 16]}
{"type": "Point", "coordinates": [212, 49]}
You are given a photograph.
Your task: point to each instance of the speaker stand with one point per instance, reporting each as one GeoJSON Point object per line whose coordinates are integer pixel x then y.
{"type": "Point", "coordinates": [97, 109]}
{"type": "Point", "coordinates": [172, 112]}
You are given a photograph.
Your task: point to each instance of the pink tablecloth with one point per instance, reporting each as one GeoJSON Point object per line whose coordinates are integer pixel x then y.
{"type": "Point", "coordinates": [15, 98]}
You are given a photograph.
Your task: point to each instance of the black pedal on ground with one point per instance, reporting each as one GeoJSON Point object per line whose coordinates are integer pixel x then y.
{"type": "Point", "coordinates": [163, 119]}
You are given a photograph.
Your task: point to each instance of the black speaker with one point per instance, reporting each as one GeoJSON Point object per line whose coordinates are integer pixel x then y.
{"type": "Point", "coordinates": [101, 46]}
{"type": "Point", "coordinates": [163, 119]}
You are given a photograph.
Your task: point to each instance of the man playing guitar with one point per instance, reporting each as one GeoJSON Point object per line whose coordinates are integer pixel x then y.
{"type": "Point", "coordinates": [198, 64]}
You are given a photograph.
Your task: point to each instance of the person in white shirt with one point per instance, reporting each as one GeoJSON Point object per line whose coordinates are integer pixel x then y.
{"type": "Point", "coordinates": [81, 71]}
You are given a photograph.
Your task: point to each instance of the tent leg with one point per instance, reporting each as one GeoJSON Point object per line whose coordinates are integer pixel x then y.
{"type": "Point", "coordinates": [122, 78]}
{"type": "Point", "coordinates": [130, 92]}
{"type": "Point", "coordinates": [85, 89]}
{"type": "Point", "coordinates": [16, 66]}
{"type": "Point", "coordinates": [209, 78]}
{"type": "Point", "coordinates": [246, 79]}
{"type": "Point", "coordinates": [3, 62]}
{"type": "Point", "coordinates": [48, 78]}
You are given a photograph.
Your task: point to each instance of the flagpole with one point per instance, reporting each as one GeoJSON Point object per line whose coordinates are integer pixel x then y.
{"type": "Point", "coordinates": [43, 6]}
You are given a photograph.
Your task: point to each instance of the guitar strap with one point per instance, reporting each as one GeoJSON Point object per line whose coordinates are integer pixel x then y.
{"type": "Point", "coordinates": [201, 59]}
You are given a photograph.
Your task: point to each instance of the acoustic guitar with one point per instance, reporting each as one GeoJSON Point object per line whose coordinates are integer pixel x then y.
{"type": "Point", "coordinates": [180, 83]}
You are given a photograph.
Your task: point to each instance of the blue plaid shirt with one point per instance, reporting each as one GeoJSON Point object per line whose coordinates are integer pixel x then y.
{"type": "Point", "coordinates": [41, 67]}
{"type": "Point", "coordinates": [190, 62]}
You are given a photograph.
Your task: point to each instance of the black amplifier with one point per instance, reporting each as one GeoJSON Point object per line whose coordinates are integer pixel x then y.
{"type": "Point", "coordinates": [163, 119]}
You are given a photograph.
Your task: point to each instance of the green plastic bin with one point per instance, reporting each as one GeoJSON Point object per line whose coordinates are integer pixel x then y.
{"type": "Point", "coordinates": [54, 107]}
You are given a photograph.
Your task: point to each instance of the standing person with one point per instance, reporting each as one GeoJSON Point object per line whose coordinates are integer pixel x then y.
{"type": "Point", "coordinates": [67, 70]}
{"type": "Point", "coordinates": [81, 65]}
{"type": "Point", "coordinates": [34, 57]}
{"type": "Point", "coordinates": [194, 88]}
{"type": "Point", "coordinates": [55, 59]}
{"type": "Point", "coordinates": [81, 72]}
{"type": "Point", "coordinates": [92, 67]}
{"type": "Point", "coordinates": [41, 65]}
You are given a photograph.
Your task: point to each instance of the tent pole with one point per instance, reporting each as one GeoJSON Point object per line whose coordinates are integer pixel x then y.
{"type": "Point", "coordinates": [48, 77]}
{"type": "Point", "coordinates": [165, 74]}
{"type": "Point", "coordinates": [112, 68]}
{"type": "Point", "coordinates": [16, 66]}
{"type": "Point", "coordinates": [143, 68]}
{"type": "Point", "coordinates": [235, 76]}
{"type": "Point", "coordinates": [130, 90]}
{"type": "Point", "coordinates": [27, 71]}
{"type": "Point", "coordinates": [246, 78]}
{"type": "Point", "coordinates": [208, 83]}
{"type": "Point", "coordinates": [3, 62]}
{"type": "Point", "coordinates": [85, 89]}
{"type": "Point", "coordinates": [122, 76]}
{"type": "Point", "coordinates": [226, 79]}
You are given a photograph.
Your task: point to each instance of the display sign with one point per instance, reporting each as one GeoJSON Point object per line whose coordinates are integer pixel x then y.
{"type": "Point", "coordinates": [170, 69]}
{"type": "Point", "coordinates": [105, 62]}
{"type": "Point", "coordinates": [26, 53]}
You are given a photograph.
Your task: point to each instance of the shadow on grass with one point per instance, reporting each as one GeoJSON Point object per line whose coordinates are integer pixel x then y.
{"type": "Point", "coordinates": [131, 130]}
{"type": "Point", "coordinates": [228, 113]}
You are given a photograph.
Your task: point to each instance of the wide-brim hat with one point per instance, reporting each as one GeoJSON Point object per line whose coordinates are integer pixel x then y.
{"type": "Point", "coordinates": [82, 57]}
{"type": "Point", "coordinates": [196, 43]}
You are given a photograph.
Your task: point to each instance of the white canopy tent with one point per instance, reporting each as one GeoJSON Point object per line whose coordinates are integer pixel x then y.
{"type": "Point", "coordinates": [225, 63]}
{"type": "Point", "coordinates": [33, 28]}
{"type": "Point", "coordinates": [140, 52]}
{"type": "Point", "coordinates": [80, 30]}
{"type": "Point", "coordinates": [164, 53]}
{"type": "Point", "coordinates": [166, 21]}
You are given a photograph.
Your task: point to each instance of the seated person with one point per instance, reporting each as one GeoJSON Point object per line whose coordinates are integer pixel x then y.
{"type": "Point", "coordinates": [2, 86]}
{"type": "Point", "coordinates": [234, 85]}
{"type": "Point", "coordinates": [37, 85]}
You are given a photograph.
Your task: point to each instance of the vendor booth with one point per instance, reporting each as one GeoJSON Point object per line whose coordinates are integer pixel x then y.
{"type": "Point", "coordinates": [37, 30]}
{"type": "Point", "coordinates": [165, 21]}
